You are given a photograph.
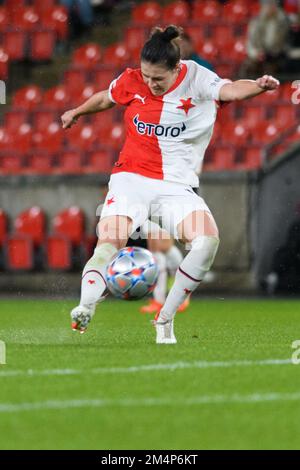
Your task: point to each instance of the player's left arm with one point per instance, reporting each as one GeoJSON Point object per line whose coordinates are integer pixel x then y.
{"type": "Point", "coordinates": [243, 89]}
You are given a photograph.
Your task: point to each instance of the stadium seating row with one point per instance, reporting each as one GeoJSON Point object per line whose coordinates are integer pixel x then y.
{"type": "Point", "coordinates": [30, 31]}
{"type": "Point", "coordinates": [205, 11]}
{"type": "Point", "coordinates": [28, 245]}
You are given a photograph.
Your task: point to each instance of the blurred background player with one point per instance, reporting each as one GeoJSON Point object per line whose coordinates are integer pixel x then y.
{"type": "Point", "coordinates": [268, 41]}
{"type": "Point", "coordinates": [188, 52]}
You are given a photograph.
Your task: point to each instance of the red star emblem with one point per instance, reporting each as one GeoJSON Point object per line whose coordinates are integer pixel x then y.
{"type": "Point", "coordinates": [186, 105]}
{"type": "Point", "coordinates": [187, 291]}
{"type": "Point", "coordinates": [110, 201]}
{"type": "Point", "coordinates": [91, 281]}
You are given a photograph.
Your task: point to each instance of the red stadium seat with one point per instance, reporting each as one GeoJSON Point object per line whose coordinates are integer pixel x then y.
{"type": "Point", "coordinates": [25, 18]}
{"type": "Point", "coordinates": [253, 115]}
{"type": "Point", "coordinates": [31, 222]}
{"type": "Point", "coordinates": [135, 37]}
{"type": "Point", "coordinates": [198, 34]}
{"type": "Point", "coordinates": [81, 94]}
{"type": "Point", "coordinates": [56, 19]}
{"type": "Point", "coordinates": [42, 119]}
{"type": "Point", "coordinates": [11, 164]}
{"type": "Point", "coordinates": [294, 136]}
{"type": "Point", "coordinates": [21, 138]}
{"type": "Point", "coordinates": [112, 137]}
{"type": "Point", "coordinates": [56, 98]}
{"type": "Point", "coordinates": [269, 97]}
{"type": "Point", "coordinates": [226, 113]}
{"type": "Point", "coordinates": [251, 158]}
{"type": "Point", "coordinates": [4, 19]}
{"type": "Point", "coordinates": [44, 5]}
{"type": "Point", "coordinates": [117, 55]}
{"type": "Point", "coordinates": [207, 11]}
{"type": "Point", "coordinates": [235, 133]}
{"type": "Point", "coordinates": [4, 61]}
{"type": "Point", "coordinates": [290, 92]}
{"type": "Point", "coordinates": [147, 14]}
{"type": "Point", "coordinates": [40, 164]}
{"type": "Point", "coordinates": [284, 115]}
{"type": "Point", "coordinates": [42, 45]}
{"type": "Point", "coordinates": [81, 137]}
{"type": "Point", "coordinates": [50, 139]}
{"type": "Point", "coordinates": [14, 43]}
{"type": "Point", "coordinates": [102, 77]}
{"type": "Point", "coordinates": [208, 50]}
{"type": "Point", "coordinates": [3, 226]}
{"type": "Point", "coordinates": [14, 5]}
{"type": "Point", "coordinates": [223, 158]}
{"type": "Point", "coordinates": [103, 122]}
{"type": "Point", "coordinates": [225, 69]}
{"type": "Point", "coordinates": [5, 139]}
{"type": "Point", "coordinates": [254, 8]}
{"type": "Point", "coordinates": [223, 36]}
{"type": "Point", "coordinates": [58, 253]}
{"type": "Point", "coordinates": [216, 137]}
{"type": "Point", "coordinates": [74, 78]}
{"type": "Point", "coordinates": [87, 56]}
{"type": "Point", "coordinates": [176, 13]}
{"type": "Point", "coordinates": [99, 162]}
{"type": "Point", "coordinates": [27, 98]}
{"type": "Point", "coordinates": [236, 12]}
{"type": "Point", "coordinates": [15, 118]}
{"type": "Point", "coordinates": [238, 52]}
{"type": "Point", "coordinates": [70, 163]}
{"type": "Point", "coordinates": [70, 223]}
{"type": "Point", "coordinates": [265, 133]}
{"type": "Point", "coordinates": [19, 253]}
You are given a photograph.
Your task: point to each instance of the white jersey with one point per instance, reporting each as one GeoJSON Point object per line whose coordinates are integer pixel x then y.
{"type": "Point", "coordinates": [167, 135]}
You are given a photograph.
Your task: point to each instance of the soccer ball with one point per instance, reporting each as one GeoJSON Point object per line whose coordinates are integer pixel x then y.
{"type": "Point", "coordinates": [132, 273]}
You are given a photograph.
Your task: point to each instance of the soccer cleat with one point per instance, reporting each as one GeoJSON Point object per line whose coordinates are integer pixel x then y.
{"type": "Point", "coordinates": [152, 307]}
{"type": "Point", "coordinates": [164, 331]}
{"type": "Point", "coordinates": [185, 304]}
{"type": "Point", "coordinates": [81, 317]}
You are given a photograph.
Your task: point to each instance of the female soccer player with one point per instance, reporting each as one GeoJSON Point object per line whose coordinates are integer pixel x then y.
{"type": "Point", "coordinates": [170, 114]}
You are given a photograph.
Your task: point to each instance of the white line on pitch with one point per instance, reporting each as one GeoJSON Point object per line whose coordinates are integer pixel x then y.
{"type": "Point", "coordinates": [149, 402]}
{"type": "Point", "coordinates": [145, 368]}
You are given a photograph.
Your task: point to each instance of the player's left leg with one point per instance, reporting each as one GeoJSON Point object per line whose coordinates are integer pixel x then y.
{"type": "Point", "coordinates": [199, 230]}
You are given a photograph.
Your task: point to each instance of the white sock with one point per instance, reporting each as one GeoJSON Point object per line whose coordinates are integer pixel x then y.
{"type": "Point", "coordinates": [159, 293]}
{"type": "Point", "coordinates": [93, 282]}
{"type": "Point", "coordinates": [190, 273]}
{"type": "Point", "coordinates": [174, 258]}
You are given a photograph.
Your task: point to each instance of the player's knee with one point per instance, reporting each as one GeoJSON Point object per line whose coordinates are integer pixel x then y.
{"type": "Point", "coordinates": [208, 247]}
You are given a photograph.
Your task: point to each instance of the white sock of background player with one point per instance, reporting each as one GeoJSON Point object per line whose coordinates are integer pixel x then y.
{"type": "Point", "coordinates": [174, 258]}
{"type": "Point", "coordinates": [160, 291]}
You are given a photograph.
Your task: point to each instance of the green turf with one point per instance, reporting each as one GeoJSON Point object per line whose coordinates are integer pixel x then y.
{"type": "Point", "coordinates": [149, 409]}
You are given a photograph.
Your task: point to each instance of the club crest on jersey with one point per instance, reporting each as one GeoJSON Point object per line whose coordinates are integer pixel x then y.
{"type": "Point", "coordinates": [147, 128]}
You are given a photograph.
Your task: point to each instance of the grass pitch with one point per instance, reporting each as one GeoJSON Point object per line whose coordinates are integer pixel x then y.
{"type": "Point", "coordinates": [228, 384]}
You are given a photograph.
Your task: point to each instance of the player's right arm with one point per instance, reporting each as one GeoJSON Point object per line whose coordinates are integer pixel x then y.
{"type": "Point", "coordinates": [98, 102]}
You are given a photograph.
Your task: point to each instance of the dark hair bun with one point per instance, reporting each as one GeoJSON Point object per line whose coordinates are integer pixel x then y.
{"type": "Point", "coordinates": [171, 32]}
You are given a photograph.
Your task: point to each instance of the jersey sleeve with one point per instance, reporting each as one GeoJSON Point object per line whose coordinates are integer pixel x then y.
{"type": "Point", "coordinates": [119, 89]}
{"type": "Point", "coordinates": [208, 84]}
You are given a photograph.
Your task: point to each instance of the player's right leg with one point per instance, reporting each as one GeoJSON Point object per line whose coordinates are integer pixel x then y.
{"type": "Point", "coordinates": [113, 232]}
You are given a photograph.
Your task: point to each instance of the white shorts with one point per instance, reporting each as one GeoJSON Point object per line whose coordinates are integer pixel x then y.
{"type": "Point", "coordinates": [141, 198]}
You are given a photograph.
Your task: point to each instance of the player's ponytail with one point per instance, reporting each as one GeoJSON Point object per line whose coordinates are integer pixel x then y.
{"type": "Point", "coordinates": [161, 47]}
